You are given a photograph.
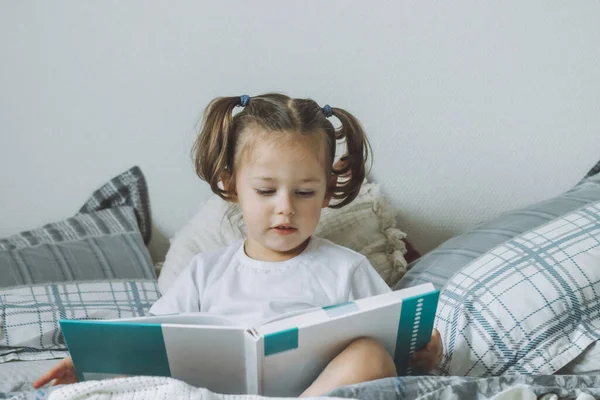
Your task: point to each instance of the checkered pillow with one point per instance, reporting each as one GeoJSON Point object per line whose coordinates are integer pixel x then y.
{"type": "Point", "coordinates": [29, 315]}
{"type": "Point", "coordinates": [105, 240]}
{"type": "Point", "coordinates": [126, 189]}
{"type": "Point", "coordinates": [529, 306]}
{"type": "Point", "coordinates": [439, 265]}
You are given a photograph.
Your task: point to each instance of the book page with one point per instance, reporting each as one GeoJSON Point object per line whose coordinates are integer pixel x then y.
{"type": "Point", "coordinates": [297, 349]}
{"type": "Point", "coordinates": [306, 318]}
{"type": "Point", "coordinates": [288, 372]}
{"type": "Point", "coordinates": [287, 315]}
{"type": "Point", "coordinates": [204, 319]}
{"type": "Point", "coordinates": [214, 358]}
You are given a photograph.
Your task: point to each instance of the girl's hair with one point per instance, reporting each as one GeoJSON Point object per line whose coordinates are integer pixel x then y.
{"type": "Point", "coordinates": [216, 147]}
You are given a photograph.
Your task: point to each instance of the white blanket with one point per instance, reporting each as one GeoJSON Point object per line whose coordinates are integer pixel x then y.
{"type": "Point", "coordinates": [143, 387]}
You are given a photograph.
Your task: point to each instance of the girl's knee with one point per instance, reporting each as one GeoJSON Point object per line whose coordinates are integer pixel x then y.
{"type": "Point", "coordinates": [363, 360]}
{"type": "Point", "coordinates": [372, 359]}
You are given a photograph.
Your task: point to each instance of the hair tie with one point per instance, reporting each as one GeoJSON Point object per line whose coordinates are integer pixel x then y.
{"type": "Point", "coordinates": [327, 111]}
{"type": "Point", "coordinates": [244, 99]}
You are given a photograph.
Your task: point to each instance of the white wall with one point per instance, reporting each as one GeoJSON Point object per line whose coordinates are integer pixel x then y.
{"type": "Point", "coordinates": [472, 107]}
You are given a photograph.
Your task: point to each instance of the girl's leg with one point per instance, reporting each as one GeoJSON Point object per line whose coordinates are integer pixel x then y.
{"type": "Point", "coordinates": [363, 360]}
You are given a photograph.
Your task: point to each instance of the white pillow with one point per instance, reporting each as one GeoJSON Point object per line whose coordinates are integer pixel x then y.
{"type": "Point", "coordinates": [530, 305]}
{"type": "Point", "coordinates": [367, 225]}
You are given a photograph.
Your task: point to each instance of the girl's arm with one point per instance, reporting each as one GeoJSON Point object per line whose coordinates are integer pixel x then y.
{"type": "Point", "coordinates": [184, 294]}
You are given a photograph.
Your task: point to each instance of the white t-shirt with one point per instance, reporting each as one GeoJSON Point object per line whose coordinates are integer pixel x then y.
{"type": "Point", "coordinates": [227, 282]}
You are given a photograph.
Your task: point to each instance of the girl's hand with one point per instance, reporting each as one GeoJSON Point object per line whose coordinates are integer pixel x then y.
{"type": "Point", "coordinates": [430, 356]}
{"type": "Point", "coordinates": [62, 373]}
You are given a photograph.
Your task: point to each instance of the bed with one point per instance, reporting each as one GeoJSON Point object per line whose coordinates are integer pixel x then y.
{"type": "Point", "coordinates": [96, 265]}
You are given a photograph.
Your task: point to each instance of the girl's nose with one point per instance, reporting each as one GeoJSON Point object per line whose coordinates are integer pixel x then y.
{"type": "Point", "coordinates": [285, 205]}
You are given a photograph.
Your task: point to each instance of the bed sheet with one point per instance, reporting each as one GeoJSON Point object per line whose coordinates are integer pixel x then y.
{"type": "Point", "coordinates": [471, 388]}
{"type": "Point", "coordinates": [16, 378]}
{"type": "Point", "coordinates": [405, 388]}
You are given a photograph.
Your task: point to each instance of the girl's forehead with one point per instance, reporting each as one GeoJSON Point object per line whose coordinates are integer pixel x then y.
{"type": "Point", "coordinates": [295, 162]}
{"type": "Point", "coordinates": [268, 148]}
{"type": "Point", "coordinates": [269, 155]}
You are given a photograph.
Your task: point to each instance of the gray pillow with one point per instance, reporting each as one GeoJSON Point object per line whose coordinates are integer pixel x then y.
{"type": "Point", "coordinates": [439, 265]}
{"type": "Point", "coordinates": [103, 242]}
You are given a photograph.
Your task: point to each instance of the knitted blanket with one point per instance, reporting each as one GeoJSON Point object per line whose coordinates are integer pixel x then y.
{"type": "Point", "coordinates": [144, 387]}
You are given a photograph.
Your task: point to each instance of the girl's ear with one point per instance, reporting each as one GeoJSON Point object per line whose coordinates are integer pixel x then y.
{"type": "Point", "coordinates": [229, 187]}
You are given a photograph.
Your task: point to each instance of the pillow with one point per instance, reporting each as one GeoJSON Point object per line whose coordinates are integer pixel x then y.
{"type": "Point", "coordinates": [528, 306]}
{"type": "Point", "coordinates": [367, 225]}
{"type": "Point", "coordinates": [441, 264]}
{"type": "Point", "coordinates": [30, 314]}
{"type": "Point", "coordinates": [103, 241]}
{"type": "Point", "coordinates": [586, 363]}
{"type": "Point", "coordinates": [126, 189]}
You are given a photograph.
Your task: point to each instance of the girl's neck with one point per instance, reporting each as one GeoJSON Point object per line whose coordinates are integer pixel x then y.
{"type": "Point", "coordinates": [256, 251]}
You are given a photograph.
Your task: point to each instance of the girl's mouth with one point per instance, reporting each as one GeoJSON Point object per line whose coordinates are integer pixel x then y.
{"type": "Point", "coordinates": [284, 229]}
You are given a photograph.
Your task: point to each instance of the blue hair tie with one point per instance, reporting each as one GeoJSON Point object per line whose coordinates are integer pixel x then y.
{"type": "Point", "coordinates": [327, 111]}
{"type": "Point", "coordinates": [244, 99]}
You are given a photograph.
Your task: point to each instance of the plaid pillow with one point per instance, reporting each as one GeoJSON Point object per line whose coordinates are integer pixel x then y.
{"type": "Point", "coordinates": [104, 242]}
{"type": "Point", "coordinates": [529, 306]}
{"type": "Point", "coordinates": [29, 315]}
{"type": "Point", "coordinates": [126, 189]}
{"type": "Point", "coordinates": [439, 265]}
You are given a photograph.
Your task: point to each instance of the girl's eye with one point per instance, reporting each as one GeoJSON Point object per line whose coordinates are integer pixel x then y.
{"type": "Point", "coordinates": [269, 192]}
{"type": "Point", "coordinates": [264, 192]}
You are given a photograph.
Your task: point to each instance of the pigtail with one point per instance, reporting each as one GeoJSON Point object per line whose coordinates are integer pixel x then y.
{"type": "Point", "coordinates": [211, 151]}
{"type": "Point", "coordinates": [214, 150]}
{"type": "Point", "coordinates": [351, 171]}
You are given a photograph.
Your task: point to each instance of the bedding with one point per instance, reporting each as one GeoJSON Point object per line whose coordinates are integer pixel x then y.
{"type": "Point", "coordinates": [129, 388]}
{"type": "Point", "coordinates": [472, 388]}
{"type": "Point", "coordinates": [104, 241]}
{"type": "Point", "coordinates": [470, 325]}
{"type": "Point", "coordinates": [30, 314]}
{"type": "Point", "coordinates": [588, 362]}
{"type": "Point", "coordinates": [145, 387]}
{"type": "Point", "coordinates": [126, 189]}
{"type": "Point", "coordinates": [92, 265]}
{"type": "Point", "coordinates": [443, 262]}
{"type": "Point", "coordinates": [401, 388]}
{"type": "Point", "coordinates": [439, 266]}
{"type": "Point", "coordinates": [452, 257]}
{"type": "Point", "coordinates": [530, 306]}
{"type": "Point", "coordinates": [17, 376]}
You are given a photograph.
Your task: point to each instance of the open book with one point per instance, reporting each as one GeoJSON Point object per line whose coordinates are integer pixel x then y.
{"type": "Point", "coordinates": [280, 357]}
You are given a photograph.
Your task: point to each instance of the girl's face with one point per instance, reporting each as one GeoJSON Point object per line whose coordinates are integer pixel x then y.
{"type": "Point", "coordinates": [281, 189]}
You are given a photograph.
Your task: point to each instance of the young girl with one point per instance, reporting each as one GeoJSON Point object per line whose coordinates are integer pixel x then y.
{"type": "Point", "coordinates": [275, 159]}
